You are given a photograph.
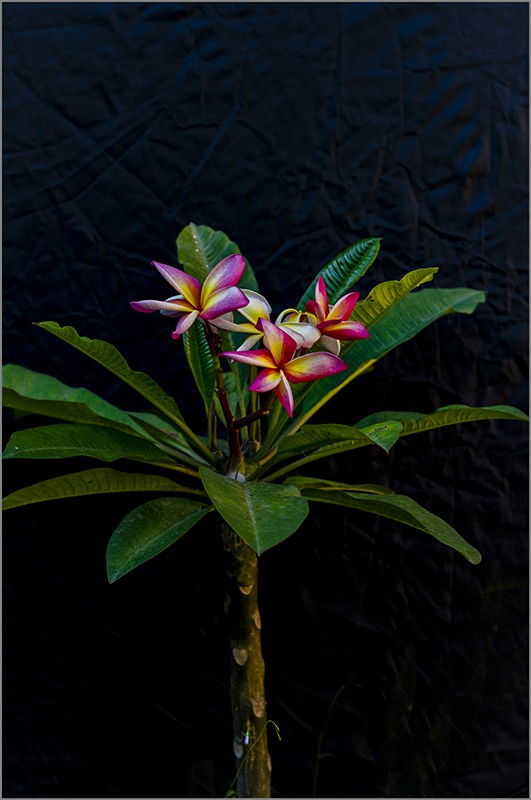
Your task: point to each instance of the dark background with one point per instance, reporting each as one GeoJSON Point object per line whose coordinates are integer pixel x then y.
{"type": "Point", "coordinates": [298, 129]}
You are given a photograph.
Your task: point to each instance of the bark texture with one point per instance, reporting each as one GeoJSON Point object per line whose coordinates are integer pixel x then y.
{"type": "Point", "coordinates": [247, 667]}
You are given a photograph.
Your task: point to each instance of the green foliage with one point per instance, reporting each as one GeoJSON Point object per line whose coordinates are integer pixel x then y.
{"type": "Point", "coordinates": [307, 482]}
{"type": "Point", "coordinates": [148, 530]}
{"type": "Point", "coordinates": [101, 480]}
{"type": "Point", "coordinates": [201, 362]}
{"type": "Point", "coordinates": [328, 440]}
{"type": "Point", "coordinates": [386, 295]}
{"type": "Point", "coordinates": [414, 422]}
{"type": "Point", "coordinates": [110, 358]}
{"type": "Point", "coordinates": [94, 441]}
{"type": "Point", "coordinates": [262, 514]}
{"type": "Point", "coordinates": [200, 248]}
{"type": "Point", "coordinates": [314, 437]}
{"type": "Point", "coordinates": [384, 429]}
{"type": "Point", "coordinates": [344, 271]}
{"type": "Point", "coordinates": [396, 507]}
{"type": "Point", "coordinates": [36, 393]}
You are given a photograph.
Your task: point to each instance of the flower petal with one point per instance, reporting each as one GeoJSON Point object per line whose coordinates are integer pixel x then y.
{"type": "Point", "coordinates": [278, 342]}
{"type": "Point", "coordinates": [225, 274]}
{"type": "Point", "coordinates": [332, 345]}
{"type": "Point", "coordinates": [166, 306]}
{"type": "Point", "coordinates": [345, 330]}
{"type": "Point", "coordinates": [188, 286]}
{"type": "Point", "coordinates": [186, 321]}
{"type": "Point", "coordinates": [344, 306]}
{"type": "Point", "coordinates": [321, 296]}
{"type": "Point", "coordinates": [312, 366]}
{"type": "Point", "coordinates": [266, 380]}
{"type": "Point", "coordinates": [304, 333]}
{"type": "Point", "coordinates": [221, 302]}
{"type": "Point", "coordinates": [288, 315]}
{"type": "Point", "coordinates": [258, 307]}
{"type": "Point", "coordinates": [313, 308]}
{"type": "Point", "coordinates": [250, 342]}
{"type": "Point", "coordinates": [226, 323]}
{"type": "Point", "coordinates": [258, 358]}
{"type": "Point", "coordinates": [284, 394]}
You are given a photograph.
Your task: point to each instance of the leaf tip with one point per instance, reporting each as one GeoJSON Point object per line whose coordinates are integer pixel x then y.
{"type": "Point", "coordinates": [112, 574]}
{"type": "Point", "coordinates": [473, 556]}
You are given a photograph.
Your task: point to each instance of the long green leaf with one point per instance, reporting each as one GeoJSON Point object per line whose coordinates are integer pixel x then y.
{"type": "Point", "coordinates": [201, 362]}
{"type": "Point", "coordinates": [309, 482]}
{"type": "Point", "coordinates": [401, 509]}
{"type": "Point", "coordinates": [200, 248]}
{"type": "Point", "coordinates": [313, 437]}
{"type": "Point", "coordinates": [109, 357]}
{"type": "Point", "coordinates": [344, 271]}
{"type": "Point", "coordinates": [383, 428]}
{"type": "Point", "coordinates": [148, 530]}
{"type": "Point", "coordinates": [414, 422]}
{"type": "Point", "coordinates": [320, 441]}
{"type": "Point", "coordinates": [37, 393]}
{"type": "Point", "coordinates": [157, 425]}
{"type": "Point", "coordinates": [383, 297]}
{"type": "Point", "coordinates": [262, 514]}
{"type": "Point", "coordinates": [94, 441]}
{"type": "Point", "coordinates": [90, 482]}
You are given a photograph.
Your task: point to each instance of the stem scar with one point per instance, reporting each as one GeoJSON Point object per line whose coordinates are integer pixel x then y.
{"type": "Point", "coordinates": [240, 656]}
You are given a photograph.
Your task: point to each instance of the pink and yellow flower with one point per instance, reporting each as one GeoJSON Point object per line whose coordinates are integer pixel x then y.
{"type": "Point", "coordinates": [219, 294]}
{"type": "Point", "coordinates": [280, 367]}
{"type": "Point", "coordinates": [333, 323]}
{"type": "Point", "coordinates": [304, 334]}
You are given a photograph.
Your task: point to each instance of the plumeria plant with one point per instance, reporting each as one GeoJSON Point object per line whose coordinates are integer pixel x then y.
{"type": "Point", "coordinates": [262, 377]}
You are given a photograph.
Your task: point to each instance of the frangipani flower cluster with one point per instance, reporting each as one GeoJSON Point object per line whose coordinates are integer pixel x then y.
{"type": "Point", "coordinates": [285, 359]}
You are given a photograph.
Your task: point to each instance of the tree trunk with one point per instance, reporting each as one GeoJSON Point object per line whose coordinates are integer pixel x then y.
{"type": "Point", "coordinates": [247, 667]}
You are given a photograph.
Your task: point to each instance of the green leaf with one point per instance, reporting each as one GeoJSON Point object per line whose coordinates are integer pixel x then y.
{"type": "Point", "coordinates": [148, 530]}
{"type": "Point", "coordinates": [71, 439]}
{"type": "Point", "coordinates": [110, 358]}
{"type": "Point", "coordinates": [414, 422]}
{"type": "Point", "coordinates": [234, 396]}
{"type": "Point", "coordinates": [89, 482]}
{"type": "Point", "coordinates": [414, 313]}
{"type": "Point", "coordinates": [36, 393]}
{"type": "Point", "coordinates": [261, 514]}
{"type": "Point", "coordinates": [157, 425]}
{"type": "Point", "coordinates": [201, 362]}
{"type": "Point", "coordinates": [320, 441]}
{"type": "Point", "coordinates": [385, 296]}
{"type": "Point", "coordinates": [383, 428]}
{"type": "Point", "coordinates": [200, 248]}
{"type": "Point", "coordinates": [309, 482]}
{"type": "Point", "coordinates": [401, 509]}
{"type": "Point", "coordinates": [343, 272]}
{"type": "Point", "coordinates": [236, 382]}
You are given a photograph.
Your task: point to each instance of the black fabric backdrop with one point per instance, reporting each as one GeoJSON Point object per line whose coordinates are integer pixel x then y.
{"type": "Point", "coordinates": [298, 129]}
